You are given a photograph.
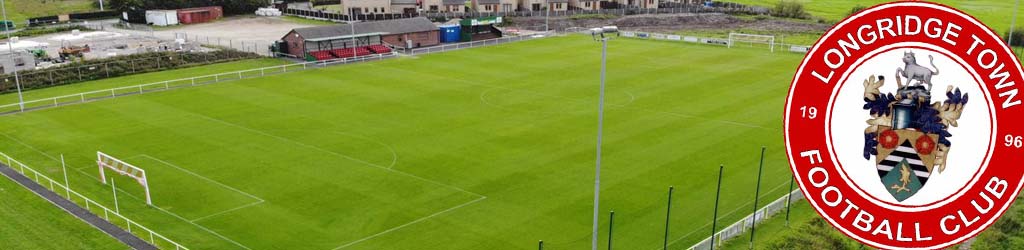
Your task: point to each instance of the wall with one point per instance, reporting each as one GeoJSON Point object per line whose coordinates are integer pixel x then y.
{"type": "Point", "coordinates": [366, 6]}
{"type": "Point", "coordinates": [426, 38]}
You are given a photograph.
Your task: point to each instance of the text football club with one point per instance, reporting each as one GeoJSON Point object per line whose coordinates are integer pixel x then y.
{"type": "Point", "coordinates": [903, 126]}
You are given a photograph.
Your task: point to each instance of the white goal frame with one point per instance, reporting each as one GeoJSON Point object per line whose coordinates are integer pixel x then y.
{"type": "Point", "coordinates": [105, 161]}
{"type": "Point", "coordinates": [761, 39]}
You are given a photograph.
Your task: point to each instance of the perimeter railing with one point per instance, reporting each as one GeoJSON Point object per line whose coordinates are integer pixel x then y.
{"type": "Point", "coordinates": [120, 220]}
{"type": "Point", "coordinates": [738, 228]}
{"type": "Point", "coordinates": [83, 97]}
{"type": "Point", "coordinates": [177, 83]}
{"type": "Point", "coordinates": [473, 44]}
{"type": "Point", "coordinates": [774, 46]}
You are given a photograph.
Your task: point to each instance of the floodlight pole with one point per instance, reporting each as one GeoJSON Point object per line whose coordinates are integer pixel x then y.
{"type": "Point", "coordinates": [10, 48]}
{"type": "Point", "coordinates": [600, 128]}
{"type": "Point", "coordinates": [1013, 22]}
{"type": "Point", "coordinates": [547, 13]}
{"type": "Point", "coordinates": [352, 25]}
{"type": "Point", "coordinates": [101, 5]}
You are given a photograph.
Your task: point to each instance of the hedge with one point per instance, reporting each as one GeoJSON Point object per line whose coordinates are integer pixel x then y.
{"type": "Point", "coordinates": [116, 66]}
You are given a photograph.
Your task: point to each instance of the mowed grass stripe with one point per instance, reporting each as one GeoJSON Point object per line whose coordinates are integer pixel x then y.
{"type": "Point", "coordinates": [530, 151]}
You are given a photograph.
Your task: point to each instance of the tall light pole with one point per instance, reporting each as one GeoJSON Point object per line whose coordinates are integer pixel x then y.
{"type": "Point", "coordinates": [10, 48]}
{"type": "Point", "coordinates": [547, 13]}
{"type": "Point", "coordinates": [101, 5]}
{"type": "Point", "coordinates": [1013, 22]}
{"type": "Point", "coordinates": [599, 35]}
{"type": "Point", "coordinates": [352, 25]}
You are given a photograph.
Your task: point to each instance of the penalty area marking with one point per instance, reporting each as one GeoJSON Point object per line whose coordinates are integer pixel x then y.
{"type": "Point", "coordinates": [408, 224]}
{"type": "Point", "coordinates": [132, 196]}
{"type": "Point", "coordinates": [257, 202]}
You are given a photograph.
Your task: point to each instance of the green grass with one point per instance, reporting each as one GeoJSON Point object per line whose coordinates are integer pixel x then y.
{"type": "Point", "coordinates": [140, 79]}
{"type": "Point", "coordinates": [995, 13]}
{"type": "Point", "coordinates": [20, 11]}
{"type": "Point", "coordinates": [29, 222]}
{"type": "Point", "coordinates": [489, 148]}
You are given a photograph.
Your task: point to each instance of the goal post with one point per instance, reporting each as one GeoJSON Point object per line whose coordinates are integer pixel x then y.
{"type": "Point", "coordinates": [105, 161]}
{"type": "Point", "coordinates": [736, 39]}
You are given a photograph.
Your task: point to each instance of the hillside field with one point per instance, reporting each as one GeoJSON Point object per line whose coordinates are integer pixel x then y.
{"type": "Point", "coordinates": [20, 11]}
{"type": "Point", "coordinates": [997, 14]}
{"type": "Point", "coordinates": [489, 148]}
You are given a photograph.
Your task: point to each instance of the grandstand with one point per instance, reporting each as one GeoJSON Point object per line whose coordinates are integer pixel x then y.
{"type": "Point", "coordinates": [358, 39]}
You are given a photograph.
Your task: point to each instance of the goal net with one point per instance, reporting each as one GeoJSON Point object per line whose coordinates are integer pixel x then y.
{"type": "Point", "coordinates": [105, 161]}
{"type": "Point", "coordinates": [751, 40]}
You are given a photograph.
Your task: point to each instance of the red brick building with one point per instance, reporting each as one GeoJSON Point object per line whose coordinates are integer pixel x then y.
{"type": "Point", "coordinates": [401, 33]}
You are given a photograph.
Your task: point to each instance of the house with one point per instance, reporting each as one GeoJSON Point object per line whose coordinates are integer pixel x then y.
{"type": "Point", "coordinates": [643, 4]}
{"type": "Point", "coordinates": [404, 7]}
{"type": "Point", "coordinates": [365, 7]}
{"type": "Point", "coordinates": [494, 6]}
{"type": "Point", "coordinates": [531, 5]}
{"type": "Point", "coordinates": [406, 32]}
{"type": "Point", "coordinates": [558, 5]}
{"type": "Point", "coordinates": [585, 4]}
{"type": "Point", "coordinates": [452, 6]}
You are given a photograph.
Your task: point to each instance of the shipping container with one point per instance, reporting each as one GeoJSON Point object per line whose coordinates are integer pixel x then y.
{"type": "Point", "coordinates": [200, 15]}
{"type": "Point", "coordinates": [162, 17]}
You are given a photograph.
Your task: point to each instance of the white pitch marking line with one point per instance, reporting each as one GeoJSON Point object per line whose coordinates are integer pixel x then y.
{"type": "Point", "coordinates": [334, 153]}
{"type": "Point", "coordinates": [133, 196]}
{"type": "Point", "coordinates": [727, 214]}
{"type": "Point", "coordinates": [228, 211]}
{"type": "Point", "coordinates": [571, 99]}
{"type": "Point", "coordinates": [410, 223]}
{"type": "Point", "coordinates": [202, 177]}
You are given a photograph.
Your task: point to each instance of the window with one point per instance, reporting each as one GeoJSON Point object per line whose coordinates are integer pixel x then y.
{"type": "Point", "coordinates": [18, 61]}
{"type": "Point", "coordinates": [433, 8]}
{"type": "Point", "coordinates": [487, 7]}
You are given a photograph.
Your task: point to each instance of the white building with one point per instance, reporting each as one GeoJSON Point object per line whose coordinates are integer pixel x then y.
{"type": "Point", "coordinates": [162, 17]}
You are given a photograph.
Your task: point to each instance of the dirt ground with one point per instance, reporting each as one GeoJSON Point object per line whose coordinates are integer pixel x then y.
{"type": "Point", "coordinates": [676, 22]}
{"type": "Point", "coordinates": [248, 28]}
{"type": "Point", "coordinates": [103, 43]}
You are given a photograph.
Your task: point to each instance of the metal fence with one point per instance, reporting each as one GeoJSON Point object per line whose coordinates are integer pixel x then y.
{"type": "Point", "coordinates": [773, 46]}
{"type": "Point", "coordinates": [60, 75]}
{"type": "Point", "coordinates": [738, 228]}
{"type": "Point", "coordinates": [133, 227]}
{"type": "Point", "coordinates": [473, 44]}
{"type": "Point", "coordinates": [622, 11]}
{"type": "Point", "coordinates": [177, 83]}
{"type": "Point", "coordinates": [259, 47]}
{"type": "Point", "coordinates": [341, 17]}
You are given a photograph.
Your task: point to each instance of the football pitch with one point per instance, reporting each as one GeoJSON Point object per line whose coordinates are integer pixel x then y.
{"type": "Point", "coordinates": [487, 148]}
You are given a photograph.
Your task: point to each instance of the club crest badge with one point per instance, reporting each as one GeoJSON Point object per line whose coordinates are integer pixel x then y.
{"type": "Point", "coordinates": [903, 126]}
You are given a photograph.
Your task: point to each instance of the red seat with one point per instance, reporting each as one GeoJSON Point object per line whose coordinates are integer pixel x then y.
{"type": "Point", "coordinates": [379, 49]}
{"type": "Point", "coordinates": [321, 55]}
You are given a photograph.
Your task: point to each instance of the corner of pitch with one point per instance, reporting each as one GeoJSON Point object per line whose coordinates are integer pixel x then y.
{"type": "Point", "coordinates": [907, 229]}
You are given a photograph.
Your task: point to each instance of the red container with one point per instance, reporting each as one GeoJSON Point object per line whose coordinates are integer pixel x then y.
{"type": "Point", "coordinates": [199, 15]}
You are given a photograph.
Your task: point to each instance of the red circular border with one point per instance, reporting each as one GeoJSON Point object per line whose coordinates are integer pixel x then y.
{"type": "Point", "coordinates": [809, 134]}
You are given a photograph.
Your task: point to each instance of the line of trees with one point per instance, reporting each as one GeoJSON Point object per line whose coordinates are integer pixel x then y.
{"type": "Point", "coordinates": [231, 7]}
